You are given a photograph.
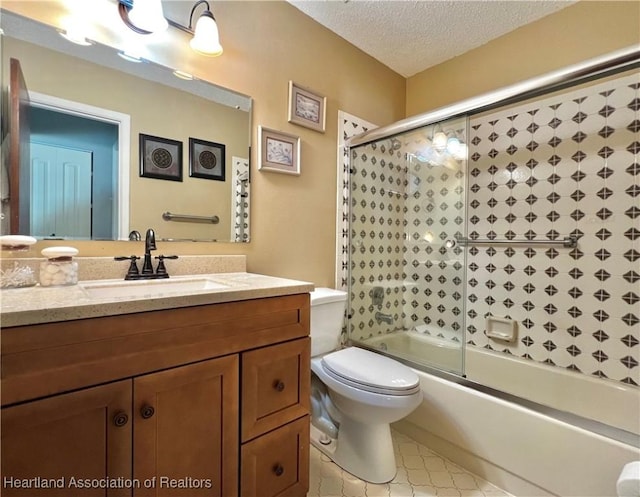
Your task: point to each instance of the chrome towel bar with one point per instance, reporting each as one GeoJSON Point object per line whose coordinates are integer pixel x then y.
{"type": "Point", "coordinates": [187, 218]}
{"type": "Point", "coordinates": [570, 241]}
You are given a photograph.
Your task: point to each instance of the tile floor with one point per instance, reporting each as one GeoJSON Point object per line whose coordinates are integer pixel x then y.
{"type": "Point", "coordinates": [421, 473]}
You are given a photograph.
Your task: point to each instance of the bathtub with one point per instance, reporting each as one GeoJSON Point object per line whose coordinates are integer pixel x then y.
{"type": "Point", "coordinates": [420, 346]}
{"type": "Point", "coordinates": [569, 436]}
{"type": "Point", "coordinates": [550, 386]}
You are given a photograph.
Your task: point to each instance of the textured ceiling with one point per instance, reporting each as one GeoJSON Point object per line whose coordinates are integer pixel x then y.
{"type": "Point", "coordinates": [411, 35]}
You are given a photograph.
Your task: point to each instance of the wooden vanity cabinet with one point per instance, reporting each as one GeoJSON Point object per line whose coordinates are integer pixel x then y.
{"type": "Point", "coordinates": [275, 420]}
{"type": "Point", "coordinates": [184, 432]}
{"type": "Point", "coordinates": [277, 463]}
{"type": "Point", "coordinates": [83, 434]}
{"type": "Point", "coordinates": [161, 397]}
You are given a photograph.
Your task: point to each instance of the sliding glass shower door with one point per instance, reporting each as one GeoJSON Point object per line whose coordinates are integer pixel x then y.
{"type": "Point", "coordinates": [407, 270]}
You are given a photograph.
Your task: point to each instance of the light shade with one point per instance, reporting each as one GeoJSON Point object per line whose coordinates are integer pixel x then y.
{"type": "Point", "coordinates": [206, 40]}
{"type": "Point", "coordinates": [147, 15]}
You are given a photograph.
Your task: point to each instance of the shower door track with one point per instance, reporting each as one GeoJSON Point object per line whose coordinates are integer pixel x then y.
{"type": "Point", "coordinates": [620, 60]}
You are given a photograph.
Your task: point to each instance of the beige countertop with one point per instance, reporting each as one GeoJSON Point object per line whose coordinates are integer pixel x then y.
{"type": "Point", "coordinates": [23, 306]}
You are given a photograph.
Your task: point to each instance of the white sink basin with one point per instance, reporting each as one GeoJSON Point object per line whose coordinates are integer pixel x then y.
{"type": "Point", "coordinates": [149, 288]}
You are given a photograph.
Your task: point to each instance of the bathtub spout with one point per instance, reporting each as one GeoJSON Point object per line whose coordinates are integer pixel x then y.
{"type": "Point", "coordinates": [381, 317]}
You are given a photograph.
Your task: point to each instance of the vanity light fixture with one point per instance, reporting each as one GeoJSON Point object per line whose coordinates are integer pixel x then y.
{"type": "Point", "coordinates": [206, 39]}
{"type": "Point", "coordinates": [143, 16]}
{"type": "Point", "coordinates": [146, 17]}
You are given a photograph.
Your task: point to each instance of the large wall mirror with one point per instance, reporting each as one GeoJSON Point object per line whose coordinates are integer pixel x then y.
{"type": "Point", "coordinates": [111, 147]}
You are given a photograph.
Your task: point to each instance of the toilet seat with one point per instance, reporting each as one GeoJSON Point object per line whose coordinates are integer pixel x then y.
{"type": "Point", "coordinates": [370, 372]}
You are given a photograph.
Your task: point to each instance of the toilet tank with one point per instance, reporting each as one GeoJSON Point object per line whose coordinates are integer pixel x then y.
{"type": "Point", "coordinates": [327, 313]}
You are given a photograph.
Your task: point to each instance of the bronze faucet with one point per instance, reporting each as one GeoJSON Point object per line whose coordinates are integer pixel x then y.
{"type": "Point", "coordinates": [147, 272]}
{"type": "Point", "coordinates": [149, 245]}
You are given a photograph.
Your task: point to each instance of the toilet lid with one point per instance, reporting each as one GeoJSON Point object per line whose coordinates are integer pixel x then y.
{"type": "Point", "coordinates": [371, 371]}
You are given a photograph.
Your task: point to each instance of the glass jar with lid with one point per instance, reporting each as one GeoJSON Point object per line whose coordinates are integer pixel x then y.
{"type": "Point", "coordinates": [59, 269]}
{"type": "Point", "coordinates": [18, 269]}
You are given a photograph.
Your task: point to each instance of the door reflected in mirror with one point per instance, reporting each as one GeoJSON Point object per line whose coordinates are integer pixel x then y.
{"type": "Point", "coordinates": [83, 154]}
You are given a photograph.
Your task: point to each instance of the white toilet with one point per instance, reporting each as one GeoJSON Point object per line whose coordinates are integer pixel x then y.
{"type": "Point", "coordinates": [355, 395]}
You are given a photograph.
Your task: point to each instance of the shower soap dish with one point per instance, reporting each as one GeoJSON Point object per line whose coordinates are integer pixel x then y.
{"type": "Point", "coordinates": [502, 328]}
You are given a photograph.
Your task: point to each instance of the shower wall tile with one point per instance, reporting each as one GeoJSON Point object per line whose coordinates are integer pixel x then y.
{"type": "Point", "coordinates": [348, 127]}
{"type": "Point", "coordinates": [241, 200]}
{"type": "Point", "coordinates": [566, 164]}
{"type": "Point", "coordinates": [403, 212]}
{"type": "Point", "coordinates": [379, 184]}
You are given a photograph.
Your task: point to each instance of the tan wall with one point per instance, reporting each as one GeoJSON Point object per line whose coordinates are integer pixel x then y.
{"type": "Point", "coordinates": [577, 33]}
{"type": "Point", "coordinates": [266, 45]}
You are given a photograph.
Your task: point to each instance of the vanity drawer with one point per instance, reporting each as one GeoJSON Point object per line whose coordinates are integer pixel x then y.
{"type": "Point", "coordinates": [275, 386]}
{"type": "Point", "coordinates": [277, 464]}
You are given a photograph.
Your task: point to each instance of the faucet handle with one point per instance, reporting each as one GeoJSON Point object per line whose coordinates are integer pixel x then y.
{"type": "Point", "coordinates": [132, 272]}
{"type": "Point", "coordinates": [161, 270]}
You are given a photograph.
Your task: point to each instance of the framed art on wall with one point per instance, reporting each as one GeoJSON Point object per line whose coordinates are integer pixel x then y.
{"type": "Point", "coordinates": [206, 159]}
{"type": "Point", "coordinates": [278, 152]}
{"type": "Point", "coordinates": [306, 107]}
{"type": "Point", "coordinates": [160, 158]}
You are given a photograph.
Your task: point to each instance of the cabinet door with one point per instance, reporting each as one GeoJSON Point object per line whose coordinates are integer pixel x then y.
{"type": "Point", "coordinates": [67, 441]}
{"type": "Point", "coordinates": [275, 386]}
{"type": "Point", "coordinates": [277, 464]}
{"type": "Point", "coordinates": [186, 430]}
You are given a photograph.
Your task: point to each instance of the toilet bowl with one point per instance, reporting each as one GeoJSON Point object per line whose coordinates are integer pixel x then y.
{"type": "Point", "coordinates": [356, 394]}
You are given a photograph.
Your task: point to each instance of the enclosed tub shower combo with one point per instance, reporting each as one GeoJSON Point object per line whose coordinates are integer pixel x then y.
{"type": "Point", "coordinates": [493, 245]}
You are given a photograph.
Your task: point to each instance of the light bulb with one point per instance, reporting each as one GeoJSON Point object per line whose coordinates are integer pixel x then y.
{"type": "Point", "coordinates": [147, 15]}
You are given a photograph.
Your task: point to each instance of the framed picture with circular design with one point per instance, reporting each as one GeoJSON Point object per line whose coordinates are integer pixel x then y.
{"type": "Point", "coordinates": [160, 158]}
{"type": "Point", "coordinates": [206, 159]}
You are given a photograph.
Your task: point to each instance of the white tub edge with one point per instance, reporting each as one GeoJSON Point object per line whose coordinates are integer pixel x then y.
{"type": "Point", "coordinates": [552, 386]}
{"type": "Point", "coordinates": [557, 387]}
{"type": "Point", "coordinates": [524, 452]}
